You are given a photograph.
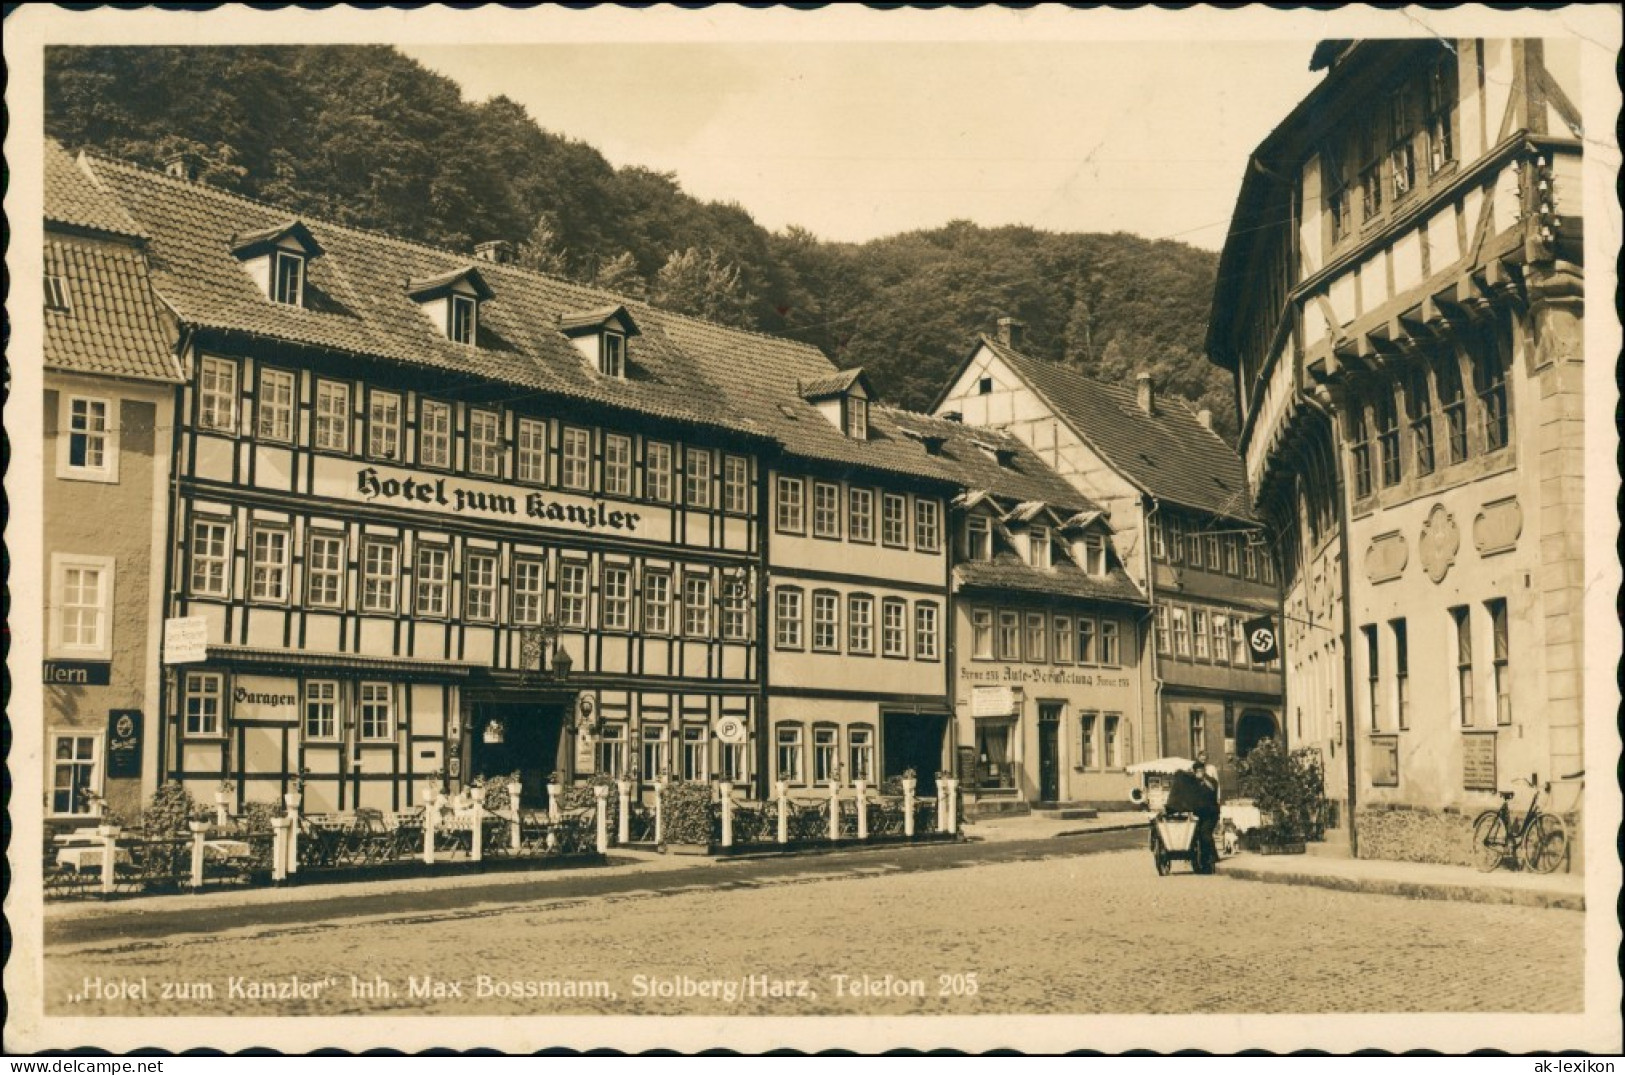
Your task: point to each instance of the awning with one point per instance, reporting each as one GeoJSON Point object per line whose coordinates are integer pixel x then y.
{"type": "Point", "coordinates": [1162, 765]}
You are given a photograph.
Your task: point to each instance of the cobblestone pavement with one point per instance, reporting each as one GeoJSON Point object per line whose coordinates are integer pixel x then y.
{"type": "Point", "coordinates": [1094, 934]}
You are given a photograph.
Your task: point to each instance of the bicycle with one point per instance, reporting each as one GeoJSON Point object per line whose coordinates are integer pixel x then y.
{"type": "Point", "coordinates": [1540, 839]}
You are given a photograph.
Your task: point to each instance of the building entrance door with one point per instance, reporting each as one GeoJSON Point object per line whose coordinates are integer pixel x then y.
{"type": "Point", "coordinates": [1049, 760]}
{"type": "Point", "coordinates": [914, 741]}
{"type": "Point", "coordinates": [518, 738]}
{"type": "Point", "coordinates": [1255, 727]}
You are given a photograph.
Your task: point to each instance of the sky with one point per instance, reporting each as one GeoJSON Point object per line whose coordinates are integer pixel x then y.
{"type": "Point", "coordinates": [855, 140]}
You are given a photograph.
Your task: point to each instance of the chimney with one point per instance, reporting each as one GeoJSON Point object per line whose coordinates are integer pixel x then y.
{"type": "Point", "coordinates": [1010, 332]}
{"type": "Point", "coordinates": [498, 251]}
{"type": "Point", "coordinates": [1146, 395]}
{"type": "Point", "coordinates": [185, 165]}
{"type": "Point", "coordinates": [1205, 416]}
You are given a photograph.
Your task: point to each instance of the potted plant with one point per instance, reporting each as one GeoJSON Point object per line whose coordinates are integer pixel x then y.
{"type": "Point", "coordinates": [224, 791]}
{"type": "Point", "coordinates": [686, 815]}
{"type": "Point", "coordinates": [109, 822]}
{"type": "Point", "coordinates": [202, 819]}
{"type": "Point", "coordinates": [1287, 788]}
{"type": "Point", "coordinates": [294, 797]}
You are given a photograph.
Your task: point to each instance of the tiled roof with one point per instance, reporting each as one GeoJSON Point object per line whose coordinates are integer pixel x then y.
{"type": "Point", "coordinates": [358, 304]}
{"type": "Point", "coordinates": [1169, 454]}
{"type": "Point", "coordinates": [832, 384]}
{"type": "Point", "coordinates": [440, 282]}
{"type": "Point", "coordinates": [112, 324]}
{"type": "Point", "coordinates": [1008, 572]}
{"type": "Point", "coordinates": [72, 198]}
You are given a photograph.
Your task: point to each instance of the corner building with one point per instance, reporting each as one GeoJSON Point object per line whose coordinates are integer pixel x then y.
{"type": "Point", "coordinates": [1401, 301]}
{"type": "Point", "coordinates": [443, 517]}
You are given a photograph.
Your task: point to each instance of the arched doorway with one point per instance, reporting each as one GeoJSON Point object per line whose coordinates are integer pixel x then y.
{"type": "Point", "coordinates": [1255, 727]}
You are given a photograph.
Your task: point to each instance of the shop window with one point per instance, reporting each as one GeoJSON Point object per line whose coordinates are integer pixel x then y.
{"type": "Point", "coordinates": [75, 774]}
{"type": "Point", "coordinates": [995, 770]}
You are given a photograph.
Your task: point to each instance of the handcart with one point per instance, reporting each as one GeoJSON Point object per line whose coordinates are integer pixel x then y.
{"type": "Point", "coordinates": [1173, 839]}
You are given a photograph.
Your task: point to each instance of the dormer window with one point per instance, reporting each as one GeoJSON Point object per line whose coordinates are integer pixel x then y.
{"type": "Point", "coordinates": [601, 335]}
{"type": "Point", "coordinates": [979, 538]}
{"type": "Point", "coordinates": [1038, 551]}
{"type": "Point", "coordinates": [277, 258]}
{"type": "Point", "coordinates": [451, 302]}
{"type": "Point", "coordinates": [857, 418]}
{"type": "Point", "coordinates": [843, 398]}
{"type": "Point", "coordinates": [1094, 554]}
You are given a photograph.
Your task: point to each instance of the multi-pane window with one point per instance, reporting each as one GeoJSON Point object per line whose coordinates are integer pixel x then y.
{"type": "Point", "coordinates": [1111, 646]}
{"type": "Point", "coordinates": [617, 465]}
{"type": "Point", "coordinates": [332, 416]}
{"type": "Point", "coordinates": [1501, 652]}
{"type": "Point", "coordinates": [377, 711]}
{"type": "Point", "coordinates": [1038, 546]}
{"type": "Point", "coordinates": [732, 764]}
{"type": "Point", "coordinates": [321, 709]}
{"type": "Point", "coordinates": [925, 631]}
{"type": "Point", "coordinates": [573, 593]}
{"type": "Point", "coordinates": [656, 602]}
{"type": "Point", "coordinates": [1440, 102]}
{"type": "Point", "coordinates": [788, 743]}
{"type": "Point", "coordinates": [1113, 722]}
{"type": "Point", "coordinates": [657, 462]}
{"type": "Point", "coordinates": [735, 610]}
{"type": "Point", "coordinates": [1199, 635]}
{"type": "Point", "coordinates": [860, 514]}
{"type": "Point", "coordinates": [1176, 540]}
{"type": "Point", "coordinates": [826, 621]}
{"type": "Point", "coordinates": [380, 576]}
{"type": "Point", "coordinates": [1360, 447]}
{"type": "Point", "coordinates": [696, 741]}
{"type": "Point", "coordinates": [1373, 674]}
{"type": "Point", "coordinates": [287, 278]}
{"type": "Point", "coordinates": [1453, 403]}
{"type": "Point", "coordinates": [1198, 729]}
{"type": "Point", "coordinates": [612, 355]}
{"type": "Point", "coordinates": [1159, 538]}
{"type": "Point", "coordinates": [792, 505]}
{"type": "Point", "coordinates": [433, 581]}
{"type": "Point", "coordinates": [860, 754]}
{"type": "Point", "coordinates": [612, 748]}
{"type": "Point", "coordinates": [531, 463]}
{"type": "Point", "coordinates": [384, 425]}
{"type": "Point", "coordinates": [860, 624]}
{"type": "Point", "coordinates": [275, 405]}
{"type": "Point", "coordinates": [735, 484]}
{"type": "Point", "coordinates": [1088, 651]}
{"type": "Point", "coordinates": [894, 628]}
{"type": "Point", "coordinates": [269, 565]}
{"type": "Point", "coordinates": [575, 468]}
{"type": "Point", "coordinates": [529, 582]}
{"type": "Point", "coordinates": [857, 418]}
{"type": "Point", "coordinates": [1239, 651]}
{"type": "Point", "coordinates": [434, 435]}
{"type": "Point", "coordinates": [1214, 553]}
{"type": "Point", "coordinates": [697, 477]}
{"type": "Point", "coordinates": [978, 538]}
{"type": "Point", "coordinates": [654, 758]}
{"type": "Point", "coordinates": [1182, 632]}
{"type": "Point", "coordinates": [1419, 418]}
{"type": "Point", "coordinates": [463, 314]}
{"type": "Point", "coordinates": [1065, 641]}
{"type": "Point", "coordinates": [89, 438]}
{"type": "Point", "coordinates": [1162, 629]}
{"type": "Point", "coordinates": [1369, 153]}
{"type": "Point", "coordinates": [697, 606]}
{"type": "Point", "coordinates": [1193, 553]}
{"type": "Point", "coordinates": [894, 520]}
{"type": "Point", "coordinates": [1490, 384]}
{"type": "Point", "coordinates": [324, 573]}
{"type": "Point", "coordinates": [201, 696]}
{"type": "Point", "coordinates": [1462, 623]}
{"type": "Point", "coordinates": [927, 524]}
{"type": "Point", "coordinates": [1402, 674]}
{"type": "Point", "coordinates": [85, 593]}
{"type": "Point", "coordinates": [826, 510]}
{"type": "Point", "coordinates": [217, 395]}
{"type": "Point", "coordinates": [1387, 416]}
{"type": "Point", "coordinates": [826, 754]}
{"type": "Point", "coordinates": [1249, 559]}
{"type": "Point", "coordinates": [1088, 745]}
{"type": "Point", "coordinates": [1267, 567]}
{"type": "Point", "coordinates": [787, 617]}
{"type": "Point", "coordinates": [480, 586]}
{"type": "Point", "coordinates": [1009, 636]}
{"type": "Point", "coordinates": [1402, 147]}
{"type": "Point", "coordinates": [981, 622]}
{"type": "Point", "coordinates": [74, 775]}
{"type": "Point", "coordinates": [485, 443]}
{"type": "Point", "coordinates": [1094, 554]}
{"type": "Point", "coordinates": [1221, 638]}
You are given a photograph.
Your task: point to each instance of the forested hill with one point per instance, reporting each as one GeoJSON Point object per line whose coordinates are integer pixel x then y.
{"type": "Point", "coordinates": [365, 136]}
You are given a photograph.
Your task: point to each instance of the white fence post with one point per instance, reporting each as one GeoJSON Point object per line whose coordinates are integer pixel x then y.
{"type": "Point", "coordinates": [554, 791]}
{"type": "Point", "coordinates": [514, 791]}
{"type": "Point", "coordinates": [109, 863]}
{"type": "Point", "coordinates": [727, 814]}
{"type": "Point", "coordinates": [600, 796]}
{"type": "Point", "coordinates": [291, 800]}
{"type": "Point", "coordinates": [660, 812]}
{"type": "Point", "coordinates": [863, 810]}
{"type": "Point", "coordinates": [781, 791]}
{"type": "Point", "coordinates": [222, 813]}
{"type": "Point", "coordinates": [431, 814]}
{"type": "Point", "coordinates": [834, 812]}
{"type": "Point", "coordinates": [908, 806]}
{"type": "Point", "coordinates": [953, 805]}
{"type": "Point", "coordinates": [476, 843]}
{"type": "Point", "coordinates": [197, 858]}
{"type": "Point", "coordinates": [623, 823]}
{"type": "Point", "coordinates": [279, 849]}
{"type": "Point", "coordinates": [942, 797]}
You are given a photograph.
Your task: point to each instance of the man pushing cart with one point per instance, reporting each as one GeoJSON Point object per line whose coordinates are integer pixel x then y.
{"type": "Point", "coordinates": [1183, 829]}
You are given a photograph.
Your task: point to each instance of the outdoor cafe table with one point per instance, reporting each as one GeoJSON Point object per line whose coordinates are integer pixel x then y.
{"type": "Point", "coordinates": [88, 857]}
{"type": "Point", "coordinates": [227, 849]}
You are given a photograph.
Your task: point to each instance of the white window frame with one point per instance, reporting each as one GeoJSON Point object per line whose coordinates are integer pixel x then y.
{"type": "Point", "coordinates": [203, 721]}
{"type": "Point", "coordinates": [275, 404]}
{"type": "Point", "coordinates": [1088, 640]}
{"type": "Point", "coordinates": [617, 464]}
{"type": "Point", "coordinates": [375, 721]}
{"type": "Point", "coordinates": [1035, 638]}
{"type": "Point", "coordinates": [532, 453]}
{"type": "Point", "coordinates": [860, 522]}
{"type": "Point", "coordinates": [86, 795]}
{"type": "Point", "coordinates": [894, 627]}
{"type": "Point", "coordinates": [982, 634]}
{"type": "Point", "coordinates": [612, 355]}
{"type": "Point", "coordinates": [736, 485]}
{"type": "Point", "coordinates": [696, 606]}
{"type": "Point", "coordinates": [201, 560]}
{"type": "Point", "coordinates": [1038, 546]}
{"type": "Point", "coordinates": [481, 569]}
{"type": "Point", "coordinates": [1065, 642]}
{"type": "Point", "coordinates": [735, 611]}
{"type": "Point", "coordinates": [103, 438]}
{"type": "Point", "coordinates": [789, 608]}
{"type": "Point", "coordinates": [462, 319]}
{"type": "Point", "coordinates": [826, 621]}
{"type": "Point", "coordinates": [217, 394]}
{"type": "Point", "coordinates": [978, 538]}
{"type": "Point", "coordinates": [860, 753]}
{"type": "Point", "coordinates": [857, 417]}
{"type": "Point", "coordinates": [657, 471]}
{"type": "Point", "coordinates": [788, 745]}
{"type": "Point", "coordinates": [927, 631]}
{"type": "Point", "coordinates": [826, 513]}
{"type": "Point", "coordinates": [574, 598]}
{"type": "Point", "coordinates": [790, 515]}
{"type": "Point", "coordinates": [431, 581]}
{"type": "Point", "coordinates": [654, 750]}
{"type": "Point", "coordinates": [282, 291]}
{"type": "Point", "coordinates": [1111, 643]}
{"type": "Point", "coordinates": [268, 578]}
{"type": "Point", "coordinates": [1199, 634]}
{"type": "Point", "coordinates": [377, 583]}
{"type": "Point", "coordinates": [1007, 636]}
{"type": "Point", "coordinates": [485, 442]}
{"type": "Point", "coordinates": [656, 602]}
{"type": "Point", "coordinates": [435, 422]}
{"type": "Point", "coordinates": [384, 425]}
{"type": "Point", "coordinates": [826, 753]}
{"type": "Point", "coordinates": [860, 624]}
{"type": "Point", "coordinates": [697, 477]}
{"type": "Point", "coordinates": [927, 525]}
{"type": "Point", "coordinates": [529, 582]}
{"type": "Point", "coordinates": [575, 459]}
{"type": "Point", "coordinates": [101, 648]}
{"type": "Point", "coordinates": [611, 750]}
{"type": "Point", "coordinates": [321, 717]}
{"type": "Point", "coordinates": [894, 520]}
{"type": "Point", "coordinates": [324, 570]}
{"type": "Point", "coordinates": [1094, 555]}
{"type": "Point", "coordinates": [695, 745]}
{"type": "Point", "coordinates": [616, 598]}
{"type": "Point", "coordinates": [331, 432]}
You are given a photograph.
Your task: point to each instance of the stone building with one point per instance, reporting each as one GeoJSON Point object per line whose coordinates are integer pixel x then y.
{"type": "Point", "coordinates": [110, 374]}
{"type": "Point", "coordinates": [1182, 526]}
{"type": "Point", "coordinates": [1400, 300]}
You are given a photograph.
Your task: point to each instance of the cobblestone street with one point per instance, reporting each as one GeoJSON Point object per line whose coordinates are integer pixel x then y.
{"type": "Point", "coordinates": [1068, 934]}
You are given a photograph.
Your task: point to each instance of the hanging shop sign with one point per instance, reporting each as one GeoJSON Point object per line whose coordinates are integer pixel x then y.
{"type": "Point", "coordinates": [124, 743]}
{"type": "Point", "coordinates": [79, 673]}
{"type": "Point", "coordinates": [731, 730]}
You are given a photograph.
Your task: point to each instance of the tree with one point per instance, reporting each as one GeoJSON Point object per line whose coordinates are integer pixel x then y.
{"type": "Point", "coordinates": [703, 285]}
{"type": "Point", "coordinates": [620, 274]}
{"type": "Point", "coordinates": [542, 251]}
